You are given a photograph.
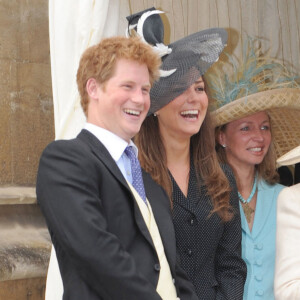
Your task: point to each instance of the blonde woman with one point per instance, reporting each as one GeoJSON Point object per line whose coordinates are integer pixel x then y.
{"type": "Point", "coordinates": [256, 108]}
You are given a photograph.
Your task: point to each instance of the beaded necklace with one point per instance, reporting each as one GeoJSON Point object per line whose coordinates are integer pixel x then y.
{"type": "Point", "coordinates": [245, 203]}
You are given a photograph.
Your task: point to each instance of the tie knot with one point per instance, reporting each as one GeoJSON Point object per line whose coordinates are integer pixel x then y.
{"type": "Point", "coordinates": [130, 152]}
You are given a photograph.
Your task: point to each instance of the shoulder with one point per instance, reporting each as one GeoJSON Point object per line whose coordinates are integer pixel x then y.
{"type": "Point", "coordinates": [80, 145]}
{"type": "Point", "coordinates": [63, 150]}
{"type": "Point", "coordinates": [269, 192]}
{"type": "Point", "coordinates": [272, 188]}
{"type": "Point", "coordinates": [72, 154]}
{"type": "Point", "coordinates": [290, 194]}
{"type": "Point", "coordinates": [57, 149]}
{"type": "Point", "coordinates": [294, 189]}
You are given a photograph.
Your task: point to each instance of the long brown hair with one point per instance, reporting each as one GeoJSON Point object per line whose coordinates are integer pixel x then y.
{"type": "Point", "coordinates": [153, 159]}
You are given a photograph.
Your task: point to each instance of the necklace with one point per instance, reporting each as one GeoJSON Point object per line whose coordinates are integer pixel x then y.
{"type": "Point", "coordinates": [245, 203]}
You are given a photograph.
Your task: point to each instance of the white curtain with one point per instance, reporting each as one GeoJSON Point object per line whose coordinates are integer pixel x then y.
{"type": "Point", "coordinates": [75, 25]}
{"type": "Point", "coordinates": [276, 22]}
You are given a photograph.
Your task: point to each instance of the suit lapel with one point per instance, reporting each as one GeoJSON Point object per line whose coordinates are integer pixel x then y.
{"type": "Point", "coordinates": [162, 216]}
{"type": "Point", "coordinates": [263, 208]}
{"type": "Point", "coordinates": [264, 205]}
{"type": "Point", "coordinates": [102, 153]}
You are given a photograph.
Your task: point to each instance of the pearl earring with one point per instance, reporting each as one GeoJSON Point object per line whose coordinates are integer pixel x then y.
{"type": "Point", "coordinates": [224, 146]}
{"type": "Point", "coordinates": [155, 115]}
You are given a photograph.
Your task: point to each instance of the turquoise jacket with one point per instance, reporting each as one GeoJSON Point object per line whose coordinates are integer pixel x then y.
{"type": "Point", "coordinates": [258, 246]}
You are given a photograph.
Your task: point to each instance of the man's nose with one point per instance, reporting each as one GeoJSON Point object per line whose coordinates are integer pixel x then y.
{"type": "Point", "coordinates": [137, 96]}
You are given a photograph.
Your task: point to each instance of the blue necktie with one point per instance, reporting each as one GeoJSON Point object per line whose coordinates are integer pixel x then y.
{"type": "Point", "coordinates": [136, 171]}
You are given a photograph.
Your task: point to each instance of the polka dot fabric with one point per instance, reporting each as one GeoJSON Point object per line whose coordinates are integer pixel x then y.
{"type": "Point", "coordinates": [210, 250]}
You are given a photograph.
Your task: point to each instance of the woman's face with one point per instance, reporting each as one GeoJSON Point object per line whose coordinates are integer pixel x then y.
{"type": "Point", "coordinates": [183, 116]}
{"type": "Point", "coordinates": [247, 140]}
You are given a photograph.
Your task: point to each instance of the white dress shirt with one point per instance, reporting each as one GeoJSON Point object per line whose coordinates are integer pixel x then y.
{"type": "Point", "coordinates": [115, 146]}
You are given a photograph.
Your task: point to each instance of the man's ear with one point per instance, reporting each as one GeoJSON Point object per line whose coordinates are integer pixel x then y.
{"type": "Point", "coordinates": [92, 88]}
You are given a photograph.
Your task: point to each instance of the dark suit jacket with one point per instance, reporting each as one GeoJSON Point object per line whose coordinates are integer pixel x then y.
{"type": "Point", "coordinates": [210, 250]}
{"type": "Point", "coordinates": [103, 246]}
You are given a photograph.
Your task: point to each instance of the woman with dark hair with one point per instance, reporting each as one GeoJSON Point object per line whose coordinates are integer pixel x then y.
{"type": "Point", "coordinates": [176, 146]}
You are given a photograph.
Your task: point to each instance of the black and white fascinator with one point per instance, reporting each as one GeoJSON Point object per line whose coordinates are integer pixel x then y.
{"type": "Point", "coordinates": [183, 61]}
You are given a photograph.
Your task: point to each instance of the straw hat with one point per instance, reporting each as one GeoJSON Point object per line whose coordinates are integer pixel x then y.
{"type": "Point", "coordinates": [283, 108]}
{"type": "Point", "coordinates": [290, 158]}
{"type": "Point", "coordinates": [258, 84]}
{"type": "Point", "coordinates": [183, 61]}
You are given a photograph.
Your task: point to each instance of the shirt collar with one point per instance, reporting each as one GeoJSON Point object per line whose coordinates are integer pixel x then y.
{"type": "Point", "coordinates": [113, 143]}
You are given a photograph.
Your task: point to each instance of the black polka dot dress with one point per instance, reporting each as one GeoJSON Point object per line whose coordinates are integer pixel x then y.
{"type": "Point", "coordinates": [210, 250]}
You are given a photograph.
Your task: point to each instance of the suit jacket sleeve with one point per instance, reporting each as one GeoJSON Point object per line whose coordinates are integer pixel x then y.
{"type": "Point", "coordinates": [287, 263]}
{"type": "Point", "coordinates": [68, 195]}
{"type": "Point", "coordinates": [231, 270]}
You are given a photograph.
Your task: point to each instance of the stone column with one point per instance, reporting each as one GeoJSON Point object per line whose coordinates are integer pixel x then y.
{"type": "Point", "coordinates": [26, 127]}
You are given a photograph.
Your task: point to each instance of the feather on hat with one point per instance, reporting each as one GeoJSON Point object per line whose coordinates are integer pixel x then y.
{"type": "Point", "coordinates": [183, 61]}
{"type": "Point", "coordinates": [258, 83]}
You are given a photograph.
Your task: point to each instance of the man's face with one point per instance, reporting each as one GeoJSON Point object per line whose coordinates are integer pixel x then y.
{"type": "Point", "coordinates": [122, 104]}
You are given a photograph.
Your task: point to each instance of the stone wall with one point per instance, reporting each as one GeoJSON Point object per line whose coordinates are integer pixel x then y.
{"type": "Point", "coordinates": [26, 127]}
{"type": "Point", "coordinates": [26, 108]}
{"type": "Point", "coordinates": [24, 238]}
{"type": "Point", "coordinates": [23, 289]}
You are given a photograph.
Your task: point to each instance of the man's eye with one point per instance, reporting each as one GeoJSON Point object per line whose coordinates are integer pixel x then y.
{"type": "Point", "coordinates": [146, 91]}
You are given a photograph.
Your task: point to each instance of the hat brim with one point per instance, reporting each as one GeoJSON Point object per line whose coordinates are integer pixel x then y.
{"type": "Point", "coordinates": [191, 56]}
{"type": "Point", "coordinates": [283, 107]}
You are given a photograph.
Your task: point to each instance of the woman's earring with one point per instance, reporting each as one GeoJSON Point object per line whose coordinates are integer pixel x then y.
{"type": "Point", "coordinates": [224, 146]}
{"type": "Point", "coordinates": [155, 115]}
